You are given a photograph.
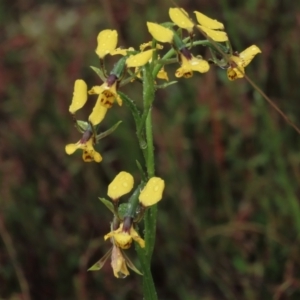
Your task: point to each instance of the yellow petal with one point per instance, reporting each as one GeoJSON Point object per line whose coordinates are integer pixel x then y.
{"type": "Point", "coordinates": [106, 99]}
{"type": "Point", "coordinates": [97, 157]}
{"type": "Point", "coordinates": [98, 89]}
{"type": "Point", "coordinates": [152, 192]}
{"type": "Point", "coordinates": [139, 59]}
{"type": "Point", "coordinates": [121, 185]}
{"type": "Point", "coordinates": [199, 65]}
{"type": "Point", "coordinates": [149, 44]}
{"type": "Point", "coordinates": [248, 54]}
{"type": "Point", "coordinates": [98, 113]}
{"type": "Point", "coordinates": [79, 96]}
{"type": "Point", "coordinates": [109, 235]}
{"type": "Point", "coordinates": [123, 240]}
{"type": "Point", "coordinates": [181, 18]}
{"type": "Point", "coordinates": [183, 72]}
{"type": "Point", "coordinates": [208, 22]}
{"type": "Point", "coordinates": [233, 75]}
{"type": "Point", "coordinates": [90, 155]}
{"type": "Point", "coordinates": [107, 42]}
{"type": "Point", "coordinates": [71, 148]}
{"type": "Point", "coordinates": [162, 74]}
{"type": "Point", "coordinates": [119, 100]}
{"type": "Point", "coordinates": [218, 36]}
{"type": "Point", "coordinates": [121, 51]}
{"type": "Point", "coordinates": [136, 237]}
{"type": "Point", "coordinates": [160, 33]}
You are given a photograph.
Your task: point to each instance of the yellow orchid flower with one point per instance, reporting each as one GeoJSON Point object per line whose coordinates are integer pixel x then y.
{"type": "Point", "coordinates": [119, 262]}
{"type": "Point", "coordinates": [190, 63]}
{"type": "Point", "coordinates": [123, 238]}
{"type": "Point", "coordinates": [121, 185]}
{"type": "Point", "coordinates": [86, 143]}
{"type": "Point", "coordinates": [152, 192]}
{"type": "Point", "coordinates": [107, 42]}
{"type": "Point", "coordinates": [107, 92]}
{"type": "Point", "coordinates": [181, 18]}
{"type": "Point", "coordinates": [79, 96]}
{"type": "Point", "coordinates": [160, 33]}
{"type": "Point", "coordinates": [238, 63]}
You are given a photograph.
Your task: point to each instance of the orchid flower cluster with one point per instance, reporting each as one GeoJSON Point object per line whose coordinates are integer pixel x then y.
{"type": "Point", "coordinates": [145, 66]}
{"type": "Point", "coordinates": [126, 216]}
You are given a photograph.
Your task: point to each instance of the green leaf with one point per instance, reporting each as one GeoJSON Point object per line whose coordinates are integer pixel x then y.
{"type": "Point", "coordinates": [100, 263]}
{"type": "Point", "coordinates": [108, 204]}
{"type": "Point", "coordinates": [130, 264]}
{"type": "Point", "coordinates": [107, 132]}
{"type": "Point", "coordinates": [167, 24]}
{"type": "Point", "coordinates": [143, 174]}
{"type": "Point", "coordinates": [119, 67]}
{"type": "Point", "coordinates": [81, 126]}
{"type": "Point", "coordinates": [122, 210]}
{"type": "Point", "coordinates": [99, 72]}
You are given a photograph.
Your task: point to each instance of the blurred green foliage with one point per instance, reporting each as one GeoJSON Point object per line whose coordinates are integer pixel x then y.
{"type": "Point", "coordinates": [229, 222]}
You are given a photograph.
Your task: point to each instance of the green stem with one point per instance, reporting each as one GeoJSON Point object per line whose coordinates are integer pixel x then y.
{"type": "Point", "coordinates": [150, 215]}
{"type": "Point", "coordinates": [148, 284]}
{"type": "Point", "coordinates": [150, 148]}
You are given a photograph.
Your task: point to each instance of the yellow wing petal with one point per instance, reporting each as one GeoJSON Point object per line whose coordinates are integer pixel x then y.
{"type": "Point", "coordinates": [139, 59]}
{"type": "Point", "coordinates": [107, 42]}
{"type": "Point", "coordinates": [181, 18]}
{"type": "Point", "coordinates": [208, 22]}
{"type": "Point", "coordinates": [136, 237]}
{"type": "Point", "coordinates": [248, 54]}
{"type": "Point", "coordinates": [97, 157]}
{"type": "Point", "coordinates": [79, 96]}
{"type": "Point", "coordinates": [71, 148]}
{"type": "Point", "coordinates": [218, 36]}
{"type": "Point", "coordinates": [160, 33]}
{"type": "Point", "coordinates": [121, 185]}
{"type": "Point", "coordinates": [152, 192]}
{"type": "Point", "coordinates": [98, 113]}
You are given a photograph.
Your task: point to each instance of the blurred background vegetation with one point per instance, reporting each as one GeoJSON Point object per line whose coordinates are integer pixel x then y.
{"type": "Point", "coordinates": [229, 222]}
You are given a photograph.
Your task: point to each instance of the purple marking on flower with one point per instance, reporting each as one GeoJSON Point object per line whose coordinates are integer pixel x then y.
{"type": "Point", "coordinates": [127, 223]}
{"type": "Point", "coordinates": [186, 53]}
{"type": "Point", "coordinates": [111, 79]}
{"type": "Point", "coordinates": [86, 136]}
